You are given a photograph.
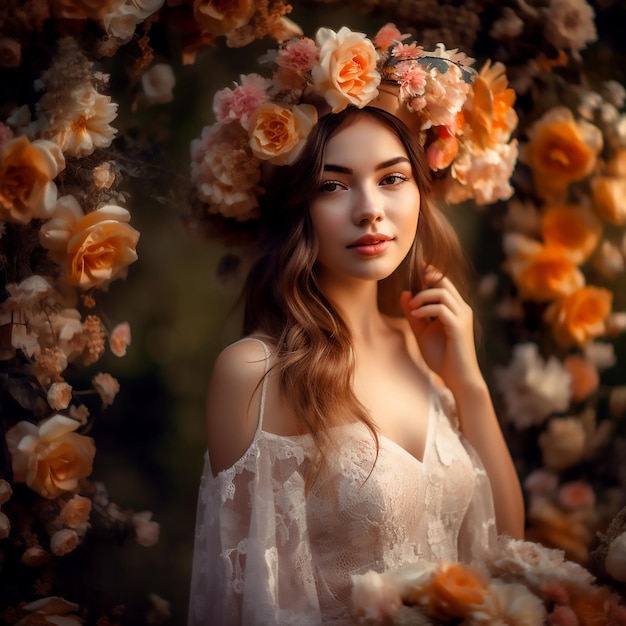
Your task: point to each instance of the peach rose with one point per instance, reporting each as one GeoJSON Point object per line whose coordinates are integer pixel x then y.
{"type": "Point", "coordinates": [457, 589]}
{"type": "Point", "coordinates": [26, 174]}
{"type": "Point", "coordinates": [120, 339]}
{"type": "Point", "coordinates": [278, 134]}
{"type": "Point", "coordinates": [491, 115]}
{"type": "Point", "coordinates": [585, 377]}
{"type": "Point", "coordinates": [63, 541]}
{"type": "Point", "coordinates": [75, 511]}
{"type": "Point", "coordinates": [222, 16]}
{"type": "Point", "coordinates": [609, 198]}
{"type": "Point", "coordinates": [540, 272]}
{"type": "Point", "coordinates": [580, 316]}
{"type": "Point", "coordinates": [96, 248]}
{"type": "Point", "coordinates": [561, 150]}
{"type": "Point", "coordinates": [563, 443]}
{"type": "Point", "coordinates": [571, 228]}
{"type": "Point", "coordinates": [50, 457]}
{"type": "Point", "coordinates": [346, 72]}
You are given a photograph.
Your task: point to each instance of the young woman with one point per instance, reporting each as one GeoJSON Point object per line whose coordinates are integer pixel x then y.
{"type": "Point", "coordinates": [329, 451]}
{"type": "Point", "coordinates": [350, 429]}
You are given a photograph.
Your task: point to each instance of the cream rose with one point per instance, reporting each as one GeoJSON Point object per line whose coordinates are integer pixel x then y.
{"type": "Point", "coordinates": [346, 72]}
{"type": "Point", "coordinates": [26, 174]}
{"type": "Point", "coordinates": [96, 248]}
{"type": "Point", "coordinates": [563, 443]}
{"type": "Point", "coordinates": [616, 558]}
{"type": "Point", "coordinates": [278, 134]}
{"type": "Point", "coordinates": [50, 457]}
{"type": "Point", "coordinates": [63, 541]}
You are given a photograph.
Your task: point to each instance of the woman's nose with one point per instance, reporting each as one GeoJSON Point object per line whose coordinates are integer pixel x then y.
{"type": "Point", "coordinates": [368, 207]}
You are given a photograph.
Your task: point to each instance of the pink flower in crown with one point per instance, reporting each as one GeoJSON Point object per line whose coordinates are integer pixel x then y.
{"type": "Point", "coordinates": [408, 51]}
{"type": "Point", "coordinates": [298, 55]}
{"type": "Point", "coordinates": [238, 105]}
{"type": "Point", "coordinates": [411, 77]}
{"type": "Point", "coordinates": [387, 36]}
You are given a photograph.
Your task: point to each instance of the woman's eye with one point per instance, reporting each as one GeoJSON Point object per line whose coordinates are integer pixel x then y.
{"type": "Point", "coordinates": [393, 179]}
{"type": "Point", "coordinates": [329, 186]}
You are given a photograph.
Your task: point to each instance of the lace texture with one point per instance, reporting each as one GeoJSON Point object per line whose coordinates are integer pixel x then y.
{"type": "Point", "coordinates": [268, 553]}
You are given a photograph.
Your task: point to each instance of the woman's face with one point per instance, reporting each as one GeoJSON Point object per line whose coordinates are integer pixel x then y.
{"type": "Point", "coordinates": [366, 210]}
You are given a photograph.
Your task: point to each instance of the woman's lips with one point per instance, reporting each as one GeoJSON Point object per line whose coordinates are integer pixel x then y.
{"type": "Point", "coordinates": [371, 245]}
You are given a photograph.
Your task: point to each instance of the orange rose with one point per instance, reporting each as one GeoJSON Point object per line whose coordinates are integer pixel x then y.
{"type": "Point", "coordinates": [95, 248]}
{"type": "Point", "coordinates": [456, 589]}
{"type": "Point", "coordinates": [580, 316]}
{"type": "Point", "coordinates": [561, 151]}
{"type": "Point", "coordinates": [491, 116]}
{"type": "Point", "coordinates": [278, 134]}
{"type": "Point", "coordinates": [592, 608]}
{"type": "Point", "coordinates": [50, 458]}
{"type": "Point", "coordinates": [585, 377]}
{"type": "Point", "coordinates": [553, 528]}
{"type": "Point", "coordinates": [572, 229]}
{"type": "Point", "coordinates": [609, 198]}
{"type": "Point", "coordinates": [346, 72]}
{"type": "Point", "coordinates": [219, 17]}
{"type": "Point", "coordinates": [540, 272]}
{"type": "Point", "coordinates": [26, 174]}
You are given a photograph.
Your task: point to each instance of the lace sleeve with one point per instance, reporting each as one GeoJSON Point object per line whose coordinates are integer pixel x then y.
{"type": "Point", "coordinates": [252, 562]}
{"type": "Point", "coordinates": [478, 530]}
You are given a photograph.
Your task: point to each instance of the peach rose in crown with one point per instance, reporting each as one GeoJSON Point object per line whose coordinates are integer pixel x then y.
{"type": "Point", "coordinates": [560, 151]}
{"type": "Point", "coordinates": [27, 171]}
{"type": "Point", "coordinates": [95, 248]}
{"type": "Point", "coordinates": [278, 134]}
{"type": "Point", "coordinates": [346, 73]}
{"type": "Point", "coordinates": [50, 457]}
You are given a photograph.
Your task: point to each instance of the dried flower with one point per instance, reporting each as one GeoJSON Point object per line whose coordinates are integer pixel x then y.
{"type": "Point", "coordinates": [59, 395]}
{"type": "Point", "coordinates": [107, 387]}
{"type": "Point", "coordinates": [120, 339]}
{"type": "Point", "coordinates": [146, 529]}
{"type": "Point", "coordinates": [75, 512]}
{"type": "Point", "coordinates": [157, 84]}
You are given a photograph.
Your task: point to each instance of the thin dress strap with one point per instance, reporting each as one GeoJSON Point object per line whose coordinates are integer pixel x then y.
{"type": "Point", "coordinates": [264, 383]}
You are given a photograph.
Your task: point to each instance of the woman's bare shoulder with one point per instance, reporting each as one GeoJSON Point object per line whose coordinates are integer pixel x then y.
{"type": "Point", "coordinates": [233, 400]}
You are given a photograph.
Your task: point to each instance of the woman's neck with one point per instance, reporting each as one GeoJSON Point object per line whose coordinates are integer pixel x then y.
{"type": "Point", "coordinates": [358, 305]}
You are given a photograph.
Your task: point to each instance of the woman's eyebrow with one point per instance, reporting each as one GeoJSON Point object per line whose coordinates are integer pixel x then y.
{"type": "Point", "coordinates": [330, 167]}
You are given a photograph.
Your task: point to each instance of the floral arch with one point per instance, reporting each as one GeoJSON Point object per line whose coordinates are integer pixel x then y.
{"type": "Point", "coordinates": [95, 169]}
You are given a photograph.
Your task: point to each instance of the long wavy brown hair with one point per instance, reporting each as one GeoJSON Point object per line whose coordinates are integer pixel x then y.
{"type": "Point", "coordinates": [282, 298]}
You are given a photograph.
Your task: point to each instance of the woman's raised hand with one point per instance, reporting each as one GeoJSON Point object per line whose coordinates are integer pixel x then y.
{"type": "Point", "coordinates": [443, 326]}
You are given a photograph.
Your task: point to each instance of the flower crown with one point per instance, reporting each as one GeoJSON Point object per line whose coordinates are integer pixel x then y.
{"type": "Point", "coordinates": [463, 118]}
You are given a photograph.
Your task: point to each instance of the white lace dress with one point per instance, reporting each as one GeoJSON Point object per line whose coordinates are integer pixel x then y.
{"type": "Point", "coordinates": [268, 552]}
